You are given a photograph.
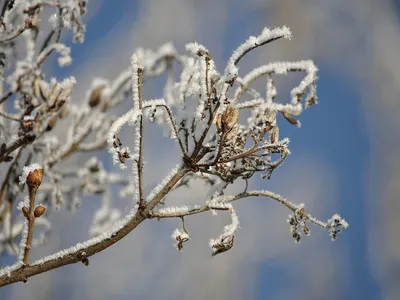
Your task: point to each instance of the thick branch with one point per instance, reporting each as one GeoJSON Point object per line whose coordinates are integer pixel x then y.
{"type": "Point", "coordinates": [22, 273]}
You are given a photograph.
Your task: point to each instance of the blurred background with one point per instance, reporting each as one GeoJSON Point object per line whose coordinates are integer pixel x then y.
{"type": "Point", "coordinates": [344, 159]}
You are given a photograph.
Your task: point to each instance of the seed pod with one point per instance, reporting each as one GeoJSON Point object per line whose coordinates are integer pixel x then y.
{"type": "Point", "coordinates": [274, 135]}
{"type": "Point", "coordinates": [218, 123]}
{"type": "Point", "coordinates": [39, 210]}
{"type": "Point", "coordinates": [34, 178]}
{"type": "Point", "coordinates": [54, 94]}
{"type": "Point", "coordinates": [232, 133]}
{"type": "Point", "coordinates": [290, 118]}
{"type": "Point", "coordinates": [65, 92]}
{"type": "Point", "coordinates": [36, 88]}
{"type": "Point", "coordinates": [43, 92]}
{"type": "Point", "coordinates": [229, 118]}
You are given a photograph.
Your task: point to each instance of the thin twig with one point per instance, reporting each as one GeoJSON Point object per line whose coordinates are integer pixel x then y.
{"type": "Point", "coordinates": [10, 117]}
{"type": "Point", "coordinates": [23, 141]}
{"type": "Point", "coordinates": [257, 193]}
{"type": "Point", "coordinates": [16, 33]}
{"type": "Point", "coordinates": [142, 201]}
{"type": "Point", "coordinates": [6, 96]}
{"type": "Point", "coordinates": [31, 222]}
{"type": "Point", "coordinates": [176, 132]}
{"type": "Point", "coordinates": [256, 46]}
{"type": "Point", "coordinates": [199, 145]}
{"type": "Point", "coordinates": [5, 184]}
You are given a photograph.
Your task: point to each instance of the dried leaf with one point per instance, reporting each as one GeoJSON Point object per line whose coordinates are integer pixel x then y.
{"type": "Point", "coordinates": [229, 118]}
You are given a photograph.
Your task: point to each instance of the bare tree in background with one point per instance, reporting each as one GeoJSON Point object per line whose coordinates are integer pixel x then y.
{"type": "Point", "coordinates": [200, 110]}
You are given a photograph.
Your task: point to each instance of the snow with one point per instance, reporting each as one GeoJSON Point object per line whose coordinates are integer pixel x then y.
{"type": "Point", "coordinates": [163, 183]}
{"type": "Point", "coordinates": [196, 48]}
{"type": "Point", "coordinates": [231, 70]}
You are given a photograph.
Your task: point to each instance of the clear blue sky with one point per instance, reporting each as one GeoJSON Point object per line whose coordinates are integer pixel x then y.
{"type": "Point", "coordinates": [341, 142]}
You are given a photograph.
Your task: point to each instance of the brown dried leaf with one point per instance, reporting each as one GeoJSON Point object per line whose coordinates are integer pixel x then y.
{"type": "Point", "coordinates": [229, 117]}
{"type": "Point", "coordinates": [232, 133]}
{"type": "Point", "coordinates": [218, 122]}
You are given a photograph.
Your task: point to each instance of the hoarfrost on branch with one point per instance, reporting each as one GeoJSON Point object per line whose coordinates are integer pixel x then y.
{"type": "Point", "coordinates": [201, 111]}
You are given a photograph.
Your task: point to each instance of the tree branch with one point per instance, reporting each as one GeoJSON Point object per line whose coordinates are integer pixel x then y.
{"type": "Point", "coordinates": [76, 254]}
{"type": "Point", "coordinates": [142, 202]}
{"type": "Point", "coordinates": [25, 140]}
{"type": "Point", "coordinates": [177, 213]}
{"type": "Point", "coordinates": [31, 222]}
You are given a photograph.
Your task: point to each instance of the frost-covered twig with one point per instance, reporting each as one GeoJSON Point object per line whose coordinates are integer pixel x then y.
{"type": "Point", "coordinates": [178, 212]}
{"type": "Point", "coordinates": [33, 177]}
{"type": "Point", "coordinates": [335, 225]}
{"type": "Point", "coordinates": [197, 110]}
{"type": "Point", "coordinates": [137, 91]}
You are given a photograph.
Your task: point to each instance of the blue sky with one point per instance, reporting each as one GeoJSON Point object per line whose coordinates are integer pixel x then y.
{"type": "Point", "coordinates": [342, 144]}
{"type": "Point", "coordinates": [336, 135]}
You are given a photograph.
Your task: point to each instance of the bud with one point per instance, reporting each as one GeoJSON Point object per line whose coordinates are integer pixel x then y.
{"type": "Point", "coordinates": [25, 211]}
{"type": "Point", "coordinates": [306, 230]}
{"type": "Point", "coordinates": [39, 210]}
{"type": "Point", "coordinates": [34, 178]}
{"type": "Point", "coordinates": [201, 52]}
{"type": "Point", "coordinates": [27, 124]}
{"type": "Point", "coordinates": [85, 261]}
{"type": "Point", "coordinates": [95, 97]}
